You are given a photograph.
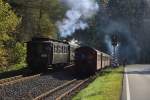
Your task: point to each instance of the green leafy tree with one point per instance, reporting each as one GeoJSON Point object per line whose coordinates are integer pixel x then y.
{"type": "Point", "coordinates": [18, 53]}
{"type": "Point", "coordinates": [38, 17]}
{"type": "Point", "coordinates": [8, 23]}
{"type": "Point", "coordinates": [8, 19]}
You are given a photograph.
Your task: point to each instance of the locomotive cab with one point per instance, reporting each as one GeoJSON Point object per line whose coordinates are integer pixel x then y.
{"type": "Point", "coordinates": [38, 54]}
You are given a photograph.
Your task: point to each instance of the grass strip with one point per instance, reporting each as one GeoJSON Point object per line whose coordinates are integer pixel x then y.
{"type": "Point", "coordinates": [107, 86]}
{"type": "Point", "coordinates": [13, 68]}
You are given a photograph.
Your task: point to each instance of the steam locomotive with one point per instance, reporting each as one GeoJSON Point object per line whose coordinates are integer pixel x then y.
{"type": "Point", "coordinates": [44, 53]}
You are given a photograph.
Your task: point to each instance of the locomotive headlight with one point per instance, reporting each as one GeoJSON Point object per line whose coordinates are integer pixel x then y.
{"type": "Point", "coordinates": [43, 55]}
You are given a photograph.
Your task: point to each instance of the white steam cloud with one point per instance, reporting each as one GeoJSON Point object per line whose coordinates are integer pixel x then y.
{"type": "Point", "coordinates": [108, 42]}
{"type": "Point", "coordinates": [77, 15]}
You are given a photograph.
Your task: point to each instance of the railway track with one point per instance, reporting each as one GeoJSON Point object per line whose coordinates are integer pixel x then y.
{"type": "Point", "coordinates": [29, 88]}
{"type": "Point", "coordinates": [2, 81]}
{"type": "Point", "coordinates": [80, 83]}
{"type": "Point", "coordinates": [40, 87]}
{"type": "Point", "coordinates": [7, 83]}
{"type": "Point", "coordinates": [61, 91]}
{"type": "Point", "coordinates": [15, 79]}
{"type": "Point", "coordinates": [18, 78]}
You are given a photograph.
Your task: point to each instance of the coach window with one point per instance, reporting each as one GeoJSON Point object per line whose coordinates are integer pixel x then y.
{"type": "Point", "coordinates": [62, 49]}
{"type": "Point", "coordinates": [51, 47]}
{"type": "Point", "coordinates": [57, 49]}
{"type": "Point", "coordinates": [67, 50]}
{"type": "Point", "coordinates": [54, 48]}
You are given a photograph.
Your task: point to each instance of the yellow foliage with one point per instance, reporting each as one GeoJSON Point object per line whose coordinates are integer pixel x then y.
{"type": "Point", "coordinates": [8, 23]}
{"type": "Point", "coordinates": [3, 58]}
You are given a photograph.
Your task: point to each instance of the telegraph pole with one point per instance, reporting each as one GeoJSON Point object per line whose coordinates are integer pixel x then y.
{"type": "Point", "coordinates": [114, 39]}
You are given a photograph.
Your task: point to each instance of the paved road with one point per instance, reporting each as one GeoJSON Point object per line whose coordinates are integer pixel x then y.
{"type": "Point", "coordinates": [136, 85]}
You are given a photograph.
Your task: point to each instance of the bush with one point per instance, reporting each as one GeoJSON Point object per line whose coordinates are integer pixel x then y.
{"type": "Point", "coordinates": [18, 54]}
{"type": "Point", "coordinates": [12, 56]}
{"type": "Point", "coordinates": [8, 23]}
{"type": "Point", "coordinates": [3, 58]}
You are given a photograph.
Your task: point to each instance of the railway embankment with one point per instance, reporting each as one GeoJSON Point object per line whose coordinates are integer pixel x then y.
{"type": "Point", "coordinates": [107, 86]}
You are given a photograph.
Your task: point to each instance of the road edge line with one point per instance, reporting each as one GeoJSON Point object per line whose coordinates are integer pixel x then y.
{"type": "Point", "coordinates": [127, 86]}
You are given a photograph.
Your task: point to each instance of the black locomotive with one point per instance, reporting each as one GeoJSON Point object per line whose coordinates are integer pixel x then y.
{"type": "Point", "coordinates": [44, 53]}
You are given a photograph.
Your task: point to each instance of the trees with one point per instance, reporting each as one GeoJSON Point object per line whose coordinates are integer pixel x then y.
{"type": "Point", "coordinates": [8, 23]}
{"type": "Point", "coordinates": [38, 17]}
{"type": "Point", "coordinates": [8, 19]}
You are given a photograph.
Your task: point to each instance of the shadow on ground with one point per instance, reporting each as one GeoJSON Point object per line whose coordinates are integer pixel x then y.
{"type": "Point", "coordinates": [13, 73]}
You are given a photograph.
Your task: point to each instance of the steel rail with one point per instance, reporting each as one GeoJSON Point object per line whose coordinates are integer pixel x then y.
{"type": "Point", "coordinates": [19, 80]}
{"type": "Point", "coordinates": [44, 95]}
{"type": "Point", "coordinates": [10, 79]}
{"type": "Point", "coordinates": [71, 90]}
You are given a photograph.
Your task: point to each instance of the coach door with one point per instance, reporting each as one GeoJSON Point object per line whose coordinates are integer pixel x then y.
{"type": "Point", "coordinates": [46, 57]}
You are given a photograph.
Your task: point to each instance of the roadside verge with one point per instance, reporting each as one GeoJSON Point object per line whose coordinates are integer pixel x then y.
{"type": "Point", "coordinates": [107, 86]}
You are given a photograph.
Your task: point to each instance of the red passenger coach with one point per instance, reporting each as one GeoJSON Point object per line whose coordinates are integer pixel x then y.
{"type": "Point", "coordinates": [106, 60]}
{"type": "Point", "coordinates": [85, 60]}
{"type": "Point", "coordinates": [89, 60]}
